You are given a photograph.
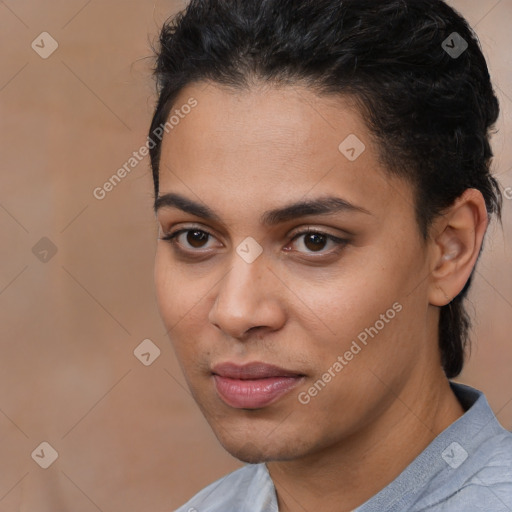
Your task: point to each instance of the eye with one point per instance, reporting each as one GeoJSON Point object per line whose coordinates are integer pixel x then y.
{"type": "Point", "coordinates": [312, 242]}
{"type": "Point", "coordinates": [195, 240]}
{"type": "Point", "coordinates": [190, 239]}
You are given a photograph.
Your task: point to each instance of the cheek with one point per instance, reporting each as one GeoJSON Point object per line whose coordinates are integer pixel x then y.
{"type": "Point", "coordinates": [182, 303]}
{"type": "Point", "coordinates": [177, 294]}
{"type": "Point", "coordinates": [165, 286]}
{"type": "Point", "coordinates": [343, 305]}
{"type": "Point", "coordinates": [367, 304]}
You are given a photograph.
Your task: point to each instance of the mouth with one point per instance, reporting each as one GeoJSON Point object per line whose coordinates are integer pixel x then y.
{"type": "Point", "coordinates": [253, 385]}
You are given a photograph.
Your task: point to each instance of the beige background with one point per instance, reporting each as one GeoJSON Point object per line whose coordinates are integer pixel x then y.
{"type": "Point", "coordinates": [128, 436]}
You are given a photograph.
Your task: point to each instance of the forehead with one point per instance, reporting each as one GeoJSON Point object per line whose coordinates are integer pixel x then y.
{"type": "Point", "coordinates": [266, 145]}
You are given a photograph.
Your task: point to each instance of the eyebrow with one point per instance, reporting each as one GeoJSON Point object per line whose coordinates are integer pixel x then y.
{"type": "Point", "coordinates": [321, 206]}
{"type": "Point", "coordinates": [173, 200]}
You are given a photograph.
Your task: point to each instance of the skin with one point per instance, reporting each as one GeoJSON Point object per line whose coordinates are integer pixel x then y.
{"type": "Point", "coordinates": [300, 305]}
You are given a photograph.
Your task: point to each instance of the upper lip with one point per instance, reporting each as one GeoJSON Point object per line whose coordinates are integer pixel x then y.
{"type": "Point", "coordinates": [255, 370]}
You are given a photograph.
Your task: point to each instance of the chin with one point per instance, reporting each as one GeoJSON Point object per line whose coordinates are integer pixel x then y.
{"type": "Point", "coordinates": [256, 436]}
{"type": "Point", "coordinates": [249, 453]}
{"type": "Point", "coordinates": [259, 449]}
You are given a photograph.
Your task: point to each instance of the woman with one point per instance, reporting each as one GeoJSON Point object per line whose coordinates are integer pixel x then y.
{"type": "Point", "coordinates": [322, 188]}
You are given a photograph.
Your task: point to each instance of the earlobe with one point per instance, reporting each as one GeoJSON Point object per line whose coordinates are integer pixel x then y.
{"type": "Point", "coordinates": [460, 234]}
{"type": "Point", "coordinates": [446, 298]}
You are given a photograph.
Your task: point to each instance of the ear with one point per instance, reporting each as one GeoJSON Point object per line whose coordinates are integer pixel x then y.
{"type": "Point", "coordinates": [456, 240]}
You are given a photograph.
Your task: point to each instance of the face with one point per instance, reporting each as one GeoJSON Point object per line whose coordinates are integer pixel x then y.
{"type": "Point", "coordinates": [292, 278]}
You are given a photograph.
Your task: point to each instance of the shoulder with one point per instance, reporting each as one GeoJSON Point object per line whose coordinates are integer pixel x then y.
{"type": "Point", "coordinates": [250, 484]}
{"type": "Point", "coordinates": [483, 483]}
{"type": "Point", "coordinates": [468, 466]}
{"type": "Point", "coordinates": [494, 476]}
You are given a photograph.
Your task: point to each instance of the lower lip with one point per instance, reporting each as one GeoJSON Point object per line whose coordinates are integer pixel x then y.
{"type": "Point", "coordinates": [253, 394]}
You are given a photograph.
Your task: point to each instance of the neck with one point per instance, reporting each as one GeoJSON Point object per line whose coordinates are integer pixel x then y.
{"type": "Point", "coordinates": [353, 470]}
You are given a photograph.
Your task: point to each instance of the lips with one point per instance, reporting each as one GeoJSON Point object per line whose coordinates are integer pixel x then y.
{"type": "Point", "coordinates": [254, 385]}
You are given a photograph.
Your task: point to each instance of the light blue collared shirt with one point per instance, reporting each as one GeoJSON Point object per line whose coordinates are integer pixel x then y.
{"type": "Point", "coordinates": [466, 468]}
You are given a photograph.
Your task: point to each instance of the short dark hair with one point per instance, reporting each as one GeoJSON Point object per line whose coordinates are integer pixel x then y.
{"type": "Point", "coordinates": [429, 111]}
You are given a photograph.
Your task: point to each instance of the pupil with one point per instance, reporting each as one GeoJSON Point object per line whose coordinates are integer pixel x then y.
{"type": "Point", "coordinates": [196, 238]}
{"type": "Point", "coordinates": [315, 242]}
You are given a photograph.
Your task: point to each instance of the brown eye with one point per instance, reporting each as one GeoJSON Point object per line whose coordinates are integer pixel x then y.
{"type": "Point", "coordinates": [190, 239]}
{"type": "Point", "coordinates": [315, 241]}
{"type": "Point", "coordinates": [197, 238]}
{"type": "Point", "coordinates": [311, 242]}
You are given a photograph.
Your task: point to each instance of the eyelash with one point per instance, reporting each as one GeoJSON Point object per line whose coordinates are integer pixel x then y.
{"type": "Point", "coordinates": [339, 242]}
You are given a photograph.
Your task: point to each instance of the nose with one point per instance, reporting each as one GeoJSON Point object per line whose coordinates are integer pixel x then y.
{"type": "Point", "coordinates": [248, 298]}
